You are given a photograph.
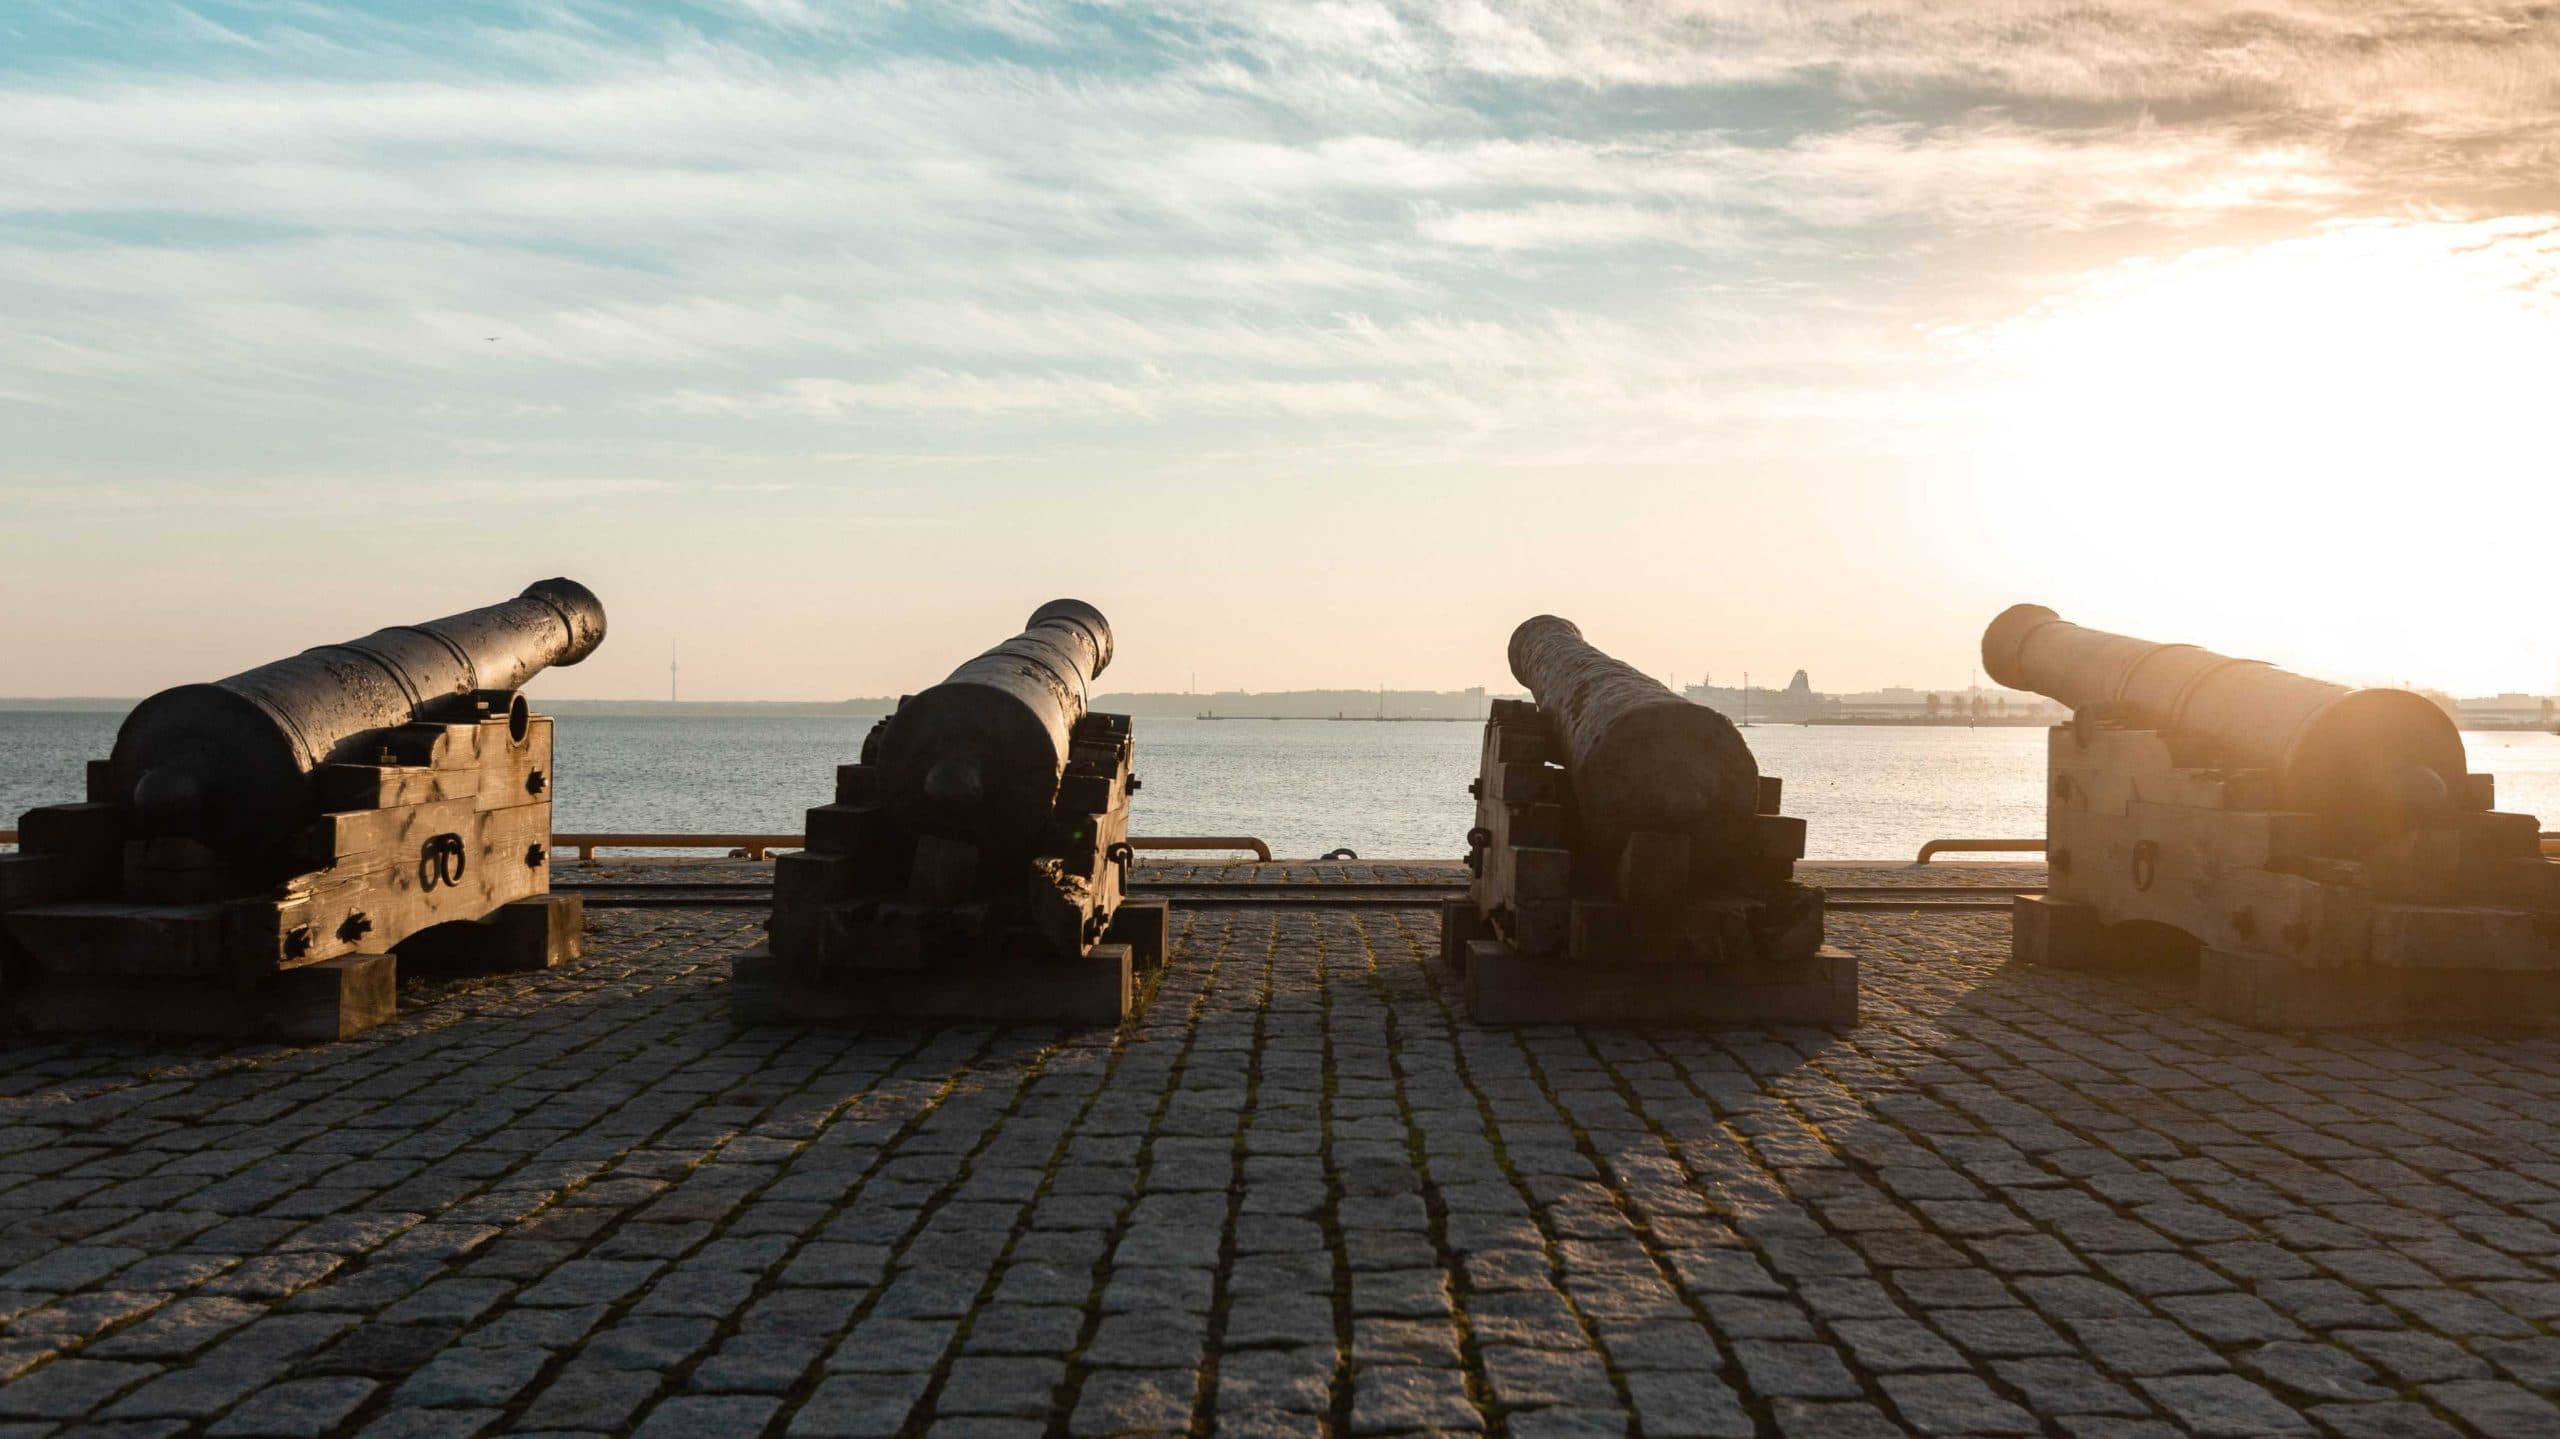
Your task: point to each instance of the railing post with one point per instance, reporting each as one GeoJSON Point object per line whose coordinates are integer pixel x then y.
{"type": "Point", "coordinates": [1936, 847]}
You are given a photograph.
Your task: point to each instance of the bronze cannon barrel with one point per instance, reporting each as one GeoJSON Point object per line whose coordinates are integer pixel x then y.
{"type": "Point", "coordinates": [1642, 758]}
{"type": "Point", "coordinates": [230, 763]}
{"type": "Point", "coordinates": [979, 756]}
{"type": "Point", "coordinates": [2369, 758]}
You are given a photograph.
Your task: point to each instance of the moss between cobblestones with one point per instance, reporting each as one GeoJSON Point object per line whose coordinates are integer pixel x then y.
{"type": "Point", "coordinates": [673, 1379]}
{"type": "Point", "coordinates": [1070, 1391]}
{"type": "Point", "coordinates": [1222, 1299]}
{"type": "Point", "coordinates": [1550, 1239]}
{"type": "Point", "coordinates": [1328, 1091]}
{"type": "Point", "coordinates": [1436, 1211]}
{"type": "Point", "coordinates": [959, 1343]}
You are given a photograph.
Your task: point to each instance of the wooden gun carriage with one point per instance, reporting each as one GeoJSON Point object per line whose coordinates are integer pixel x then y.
{"type": "Point", "coordinates": [1629, 861]}
{"type": "Point", "coordinates": [2322, 855]}
{"type": "Point", "coordinates": [975, 862]}
{"type": "Point", "coordinates": [256, 850]}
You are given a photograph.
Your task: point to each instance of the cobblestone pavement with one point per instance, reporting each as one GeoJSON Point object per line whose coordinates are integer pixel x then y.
{"type": "Point", "coordinates": [1299, 1195]}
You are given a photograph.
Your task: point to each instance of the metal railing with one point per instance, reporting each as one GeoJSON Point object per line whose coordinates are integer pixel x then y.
{"type": "Point", "coordinates": [1261, 851]}
{"type": "Point", "coordinates": [757, 846]}
{"type": "Point", "coordinates": [1937, 847]}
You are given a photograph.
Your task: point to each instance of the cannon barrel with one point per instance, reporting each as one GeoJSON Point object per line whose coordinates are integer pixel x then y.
{"type": "Point", "coordinates": [2369, 759]}
{"type": "Point", "coordinates": [230, 763]}
{"type": "Point", "coordinates": [1642, 758]}
{"type": "Point", "coordinates": [979, 756]}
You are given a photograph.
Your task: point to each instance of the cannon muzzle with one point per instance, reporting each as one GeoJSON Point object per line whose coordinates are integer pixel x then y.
{"type": "Point", "coordinates": [979, 756]}
{"type": "Point", "coordinates": [2372, 761]}
{"type": "Point", "coordinates": [1642, 758]}
{"type": "Point", "coordinates": [230, 763]}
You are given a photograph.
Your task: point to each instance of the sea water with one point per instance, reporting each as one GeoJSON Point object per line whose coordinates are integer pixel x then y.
{"type": "Point", "coordinates": [1306, 787]}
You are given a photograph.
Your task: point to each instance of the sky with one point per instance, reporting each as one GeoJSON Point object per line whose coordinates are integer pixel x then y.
{"type": "Point", "coordinates": [1317, 343]}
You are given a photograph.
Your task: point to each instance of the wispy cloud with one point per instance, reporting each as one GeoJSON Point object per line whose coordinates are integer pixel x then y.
{"type": "Point", "coordinates": [271, 496]}
{"type": "Point", "coordinates": [1446, 228]}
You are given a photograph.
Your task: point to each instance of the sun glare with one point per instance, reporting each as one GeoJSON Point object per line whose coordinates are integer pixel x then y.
{"type": "Point", "coordinates": [2338, 449]}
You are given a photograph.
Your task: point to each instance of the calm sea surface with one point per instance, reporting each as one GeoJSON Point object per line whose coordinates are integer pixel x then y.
{"type": "Point", "coordinates": [1306, 786]}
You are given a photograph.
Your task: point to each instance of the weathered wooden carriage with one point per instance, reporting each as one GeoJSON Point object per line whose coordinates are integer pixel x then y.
{"type": "Point", "coordinates": [2322, 855]}
{"type": "Point", "coordinates": [256, 850]}
{"type": "Point", "coordinates": [975, 862]}
{"type": "Point", "coordinates": [1630, 864]}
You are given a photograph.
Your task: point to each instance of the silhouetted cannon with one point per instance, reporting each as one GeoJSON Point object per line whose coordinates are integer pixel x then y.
{"type": "Point", "coordinates": [975, 862]}
{"type": "Point", "coordinates": [979, 756]}
{"type": "Point", "coordinates": [2371, 762]}
{"type": "Point", "coordinates": [1630, 862]}
{"type": "Point", "coordinates": [231, 763]}
{"type": "Point", "coordinates": [259, 853]}
{"type": "Point", "coordinates": [2319, 852]}
{"type": "Point", "coordinates": [1642, 758]}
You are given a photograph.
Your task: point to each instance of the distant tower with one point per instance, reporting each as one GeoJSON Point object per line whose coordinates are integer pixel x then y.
{"type": "Point", "coordinates": [671, 674]}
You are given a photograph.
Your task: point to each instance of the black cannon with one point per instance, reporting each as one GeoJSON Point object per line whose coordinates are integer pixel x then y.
{"type": "Point", "coordinates": [255, 849]}
{"type": "Point", "coordinates": [2320, 853]}
{"type": "Point", "coordinates": [1643, 760]}
{"type": "Point", "coordinates": [2369, 762]}
{"type": "Point", "coordinates": [979, 757]}
{"type": "Point", "coordinates": [975, 862]}
{"type": "Point", "coordinates": [235, 765]}
{"type": "Point", "coordinates": [1629, 860]}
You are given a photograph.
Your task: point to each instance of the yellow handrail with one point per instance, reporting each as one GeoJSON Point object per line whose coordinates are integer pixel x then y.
{"type": "Point", "coordinates": [757, 845]}
{"type": "Point", "coordinates": [1938, 847]}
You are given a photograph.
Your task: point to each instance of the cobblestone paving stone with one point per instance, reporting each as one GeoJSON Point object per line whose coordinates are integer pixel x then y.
{"type": "Point", "coordinates": [1298, 1195]}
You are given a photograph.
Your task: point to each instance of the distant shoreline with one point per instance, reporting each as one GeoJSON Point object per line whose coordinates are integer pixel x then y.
{"type": "Point", "coordinates": [873, 708]}
{"type": "Point", "coordinates": [741, 709]}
